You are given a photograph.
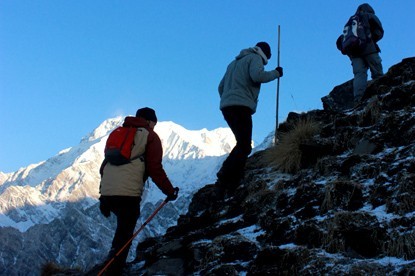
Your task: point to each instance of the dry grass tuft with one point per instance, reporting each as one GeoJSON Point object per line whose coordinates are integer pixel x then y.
{"type": "Point", "coordinates": [354, 232]}
{"type": "Point", "coordinates": [342, 194]}
{"type": "Point", "coordinates": [372, 113]}
{"type": "Point", "coordinates": [260, 202]}
{"type": "Point", "coordinates": [401, 245]}
{"type": "Point", "coordinates": [333, 242]}
{"type": "Point", "coordinates": [403, 200]}
{"type": "Point", "coordinates": [286, 155]}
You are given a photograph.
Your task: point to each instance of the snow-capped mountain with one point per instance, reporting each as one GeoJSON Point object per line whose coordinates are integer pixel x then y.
{"type": "Point", "coordinates": [44, 197]}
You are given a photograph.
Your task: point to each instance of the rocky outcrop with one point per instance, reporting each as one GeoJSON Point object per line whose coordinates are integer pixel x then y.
{"type": "Point", "coordinates": [340, 99]}
{"type": "Point", "coordinates": [349, 211]}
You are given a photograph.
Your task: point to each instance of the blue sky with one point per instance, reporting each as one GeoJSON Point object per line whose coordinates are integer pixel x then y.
{"type": "Point", "coordinates": [66, 66]}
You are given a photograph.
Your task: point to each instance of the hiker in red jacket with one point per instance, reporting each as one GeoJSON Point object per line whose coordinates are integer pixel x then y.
{"type": "Point", "coordinates": [122, 186]}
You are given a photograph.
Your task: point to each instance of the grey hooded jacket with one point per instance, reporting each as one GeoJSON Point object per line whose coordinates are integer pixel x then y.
{"type": "Point", "coordinates": [241, 83]}
{"type": "Point", "coordinates": [376, 29]}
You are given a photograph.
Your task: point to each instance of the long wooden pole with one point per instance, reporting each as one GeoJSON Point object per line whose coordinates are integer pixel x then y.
{"type": "Point", "coordinates": [278, 87]}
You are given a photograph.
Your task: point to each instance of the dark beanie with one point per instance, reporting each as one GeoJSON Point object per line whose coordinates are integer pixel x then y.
{"type": "Point", "coordinates": [147, 113]}
{"type": "Point", "coordinates": [265, 49]}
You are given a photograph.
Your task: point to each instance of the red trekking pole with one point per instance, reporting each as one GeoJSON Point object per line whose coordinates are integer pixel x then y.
{"type": "Point", "coordinates": [135, 235]}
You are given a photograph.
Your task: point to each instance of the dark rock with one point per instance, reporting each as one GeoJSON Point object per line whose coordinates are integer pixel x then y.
{"type": "Point", "coordinates": [340, 98]}
{"type": "Point", "coordinates": [356, 234]}
{"type": "Point", "coordinates": [309, 234]}
{"type": "Point", "coordinates": [365, 147]}
{"type": "Point", "coordinates": [226, 269]}
{"type": "Point", "coordinates": [170, 266]}
{"type": "Point", "coordinates": [278, 229]}
{"type": "Point", "coordinates": [274, 261]}
{"type": "Point", "coordinates": [359, 163]}
{"type": "Point", "coordinates": [238, 248]}
{"type": "Point", "coordinates": [202, 200]}
{"type": "Point", "coordinates": [311, 152]}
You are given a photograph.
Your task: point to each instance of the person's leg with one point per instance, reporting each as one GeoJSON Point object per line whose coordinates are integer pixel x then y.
{"type": "Point", "coordinates": [360, 78]}
{"type": "Point", "coordinates": [375, 65]}
{"type": "Point", "coordinates": [127, 211]}
{"type": "Point", "coordinates": [239, 120]}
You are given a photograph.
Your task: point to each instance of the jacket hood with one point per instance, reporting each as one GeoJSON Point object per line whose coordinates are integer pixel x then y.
{"type": "Point", "coordinates": [252, 50]}
{"type": "Point", "coordinates": [365, 8]}
{"type": "Point", "coordinates": [131, 121]}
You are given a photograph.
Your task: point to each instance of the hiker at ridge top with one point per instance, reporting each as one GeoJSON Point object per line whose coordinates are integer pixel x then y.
{"type": "Point", "coordinates": [239, 90]}
{"type": "Point", "coordinates": [369, 57]}
{"type": "Point", "coordinates": [122, 186]}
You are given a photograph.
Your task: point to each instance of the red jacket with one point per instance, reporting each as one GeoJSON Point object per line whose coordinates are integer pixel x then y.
{"type": "Point", "coordinates": [153, 163]}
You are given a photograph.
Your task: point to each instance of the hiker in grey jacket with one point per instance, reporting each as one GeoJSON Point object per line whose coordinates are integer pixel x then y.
{"type": "Point", "coordinates": [239, 90]}
{"type": "Point", "coordinates": [369, 57]}
{"type": "Point", "coordinates": [242, 81]}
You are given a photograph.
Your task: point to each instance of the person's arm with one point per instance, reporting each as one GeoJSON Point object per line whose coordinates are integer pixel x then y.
{"type": "Point", "coordinates": [257, 72]}
{"type": "Point", "coordinates": [154, 167]}
{"type": "Point", "coordinates": [376, 28]}
{"type": "Point", "coordinates": [220, 88]}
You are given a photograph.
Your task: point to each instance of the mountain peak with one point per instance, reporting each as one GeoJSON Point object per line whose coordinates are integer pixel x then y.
{"type": "Point", "coordinates": [73, 173]}
{"type": "Point", "coordinates": [104, 128]}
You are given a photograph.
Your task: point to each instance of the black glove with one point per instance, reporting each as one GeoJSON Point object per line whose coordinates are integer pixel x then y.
{"type": "Point", "coordinates": [104, 208]}
{"type": "Point", "coordinates": [174, 195]}
{"type": "Point", "coordinates": [279, 70]}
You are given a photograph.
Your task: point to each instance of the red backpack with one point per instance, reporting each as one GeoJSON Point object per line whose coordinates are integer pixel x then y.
{"type": "Point", "coordinates": [119, 145]}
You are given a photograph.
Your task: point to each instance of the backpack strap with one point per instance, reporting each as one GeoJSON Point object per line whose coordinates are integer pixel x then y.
{"type": "Point", "coordinates": [140, 156]}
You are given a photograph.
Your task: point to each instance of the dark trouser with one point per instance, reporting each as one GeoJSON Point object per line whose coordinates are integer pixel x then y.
{"type": "Point", "coordinates": [127, 211]}
{"type": "Point", "coordinates": [239, 119]}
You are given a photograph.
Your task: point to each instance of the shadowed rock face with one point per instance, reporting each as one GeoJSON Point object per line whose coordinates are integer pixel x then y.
{"type": "Point", "coordinates": [341, 97]}
{"type": "Point", "coordinates": [344, 211]}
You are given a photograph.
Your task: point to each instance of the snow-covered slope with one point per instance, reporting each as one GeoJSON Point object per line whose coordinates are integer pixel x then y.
{"type": "Point", "coordinates": [52, 207]}
{"type": "Point", "coordinates": [37, 194]}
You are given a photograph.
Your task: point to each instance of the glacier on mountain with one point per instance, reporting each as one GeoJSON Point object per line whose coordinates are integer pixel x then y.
{"type": "Point", "coordinates": [38, 193]}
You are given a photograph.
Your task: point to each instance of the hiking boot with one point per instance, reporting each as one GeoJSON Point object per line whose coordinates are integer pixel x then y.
{"type": "Point", "coordinates": [115, 271]}
{"type": "Point", "coordinates": [111, 254]}
{"type": "Point", "coordinates": [226, 188]}
{"type": "Point", "coordinates": [220, 190]}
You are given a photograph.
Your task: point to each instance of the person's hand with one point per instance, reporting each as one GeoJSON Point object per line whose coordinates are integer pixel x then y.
{"type": "Point", "coordinates": [280, 71]}
{"type": "Point", "coordinates": [174, 195]}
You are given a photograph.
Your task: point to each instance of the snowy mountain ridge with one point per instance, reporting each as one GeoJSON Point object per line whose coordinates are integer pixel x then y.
{"type": "Point", "coordinates": [37, 194]}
